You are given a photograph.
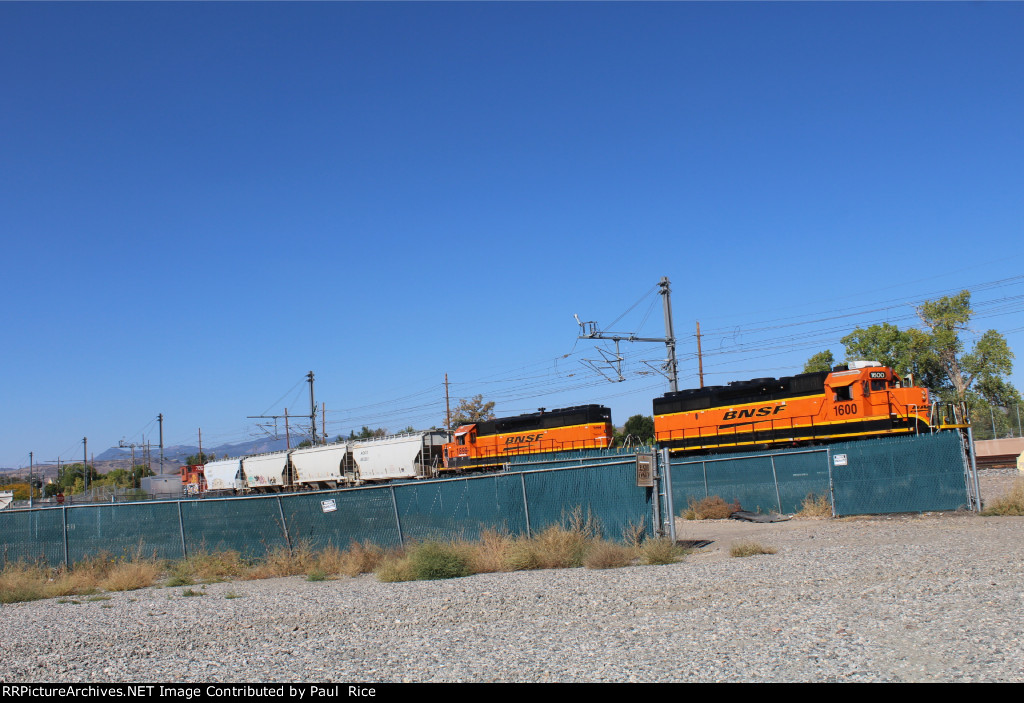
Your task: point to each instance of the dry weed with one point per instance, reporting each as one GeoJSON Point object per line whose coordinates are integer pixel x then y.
{"type": "Point", "coordinates": [131, 575]}
{"type": "Point", "coordinates": [710, 508]}
{"type": "Point", "coordinates": [749, 548]}
{"type": "Point", "coordinates": [815, 506]}
{"type": "Point", "coordinates": [661, 551]}
{"type": "Point", "coordinates": [1011, 503]}
{"type": "Point", "coordinates": [489, 554]}
{"type": "Point", "coordinates": [359, 558]}
{"type": "Point", "coordinates": [609, 555]}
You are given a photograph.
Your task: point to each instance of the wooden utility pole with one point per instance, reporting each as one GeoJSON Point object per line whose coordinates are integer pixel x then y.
{"type": "Point", "coordinates": [287, 434]}
{"type": "Point", "coordinates": [447, 405]}
{"type": "Point", "coordinates": [201, 457]}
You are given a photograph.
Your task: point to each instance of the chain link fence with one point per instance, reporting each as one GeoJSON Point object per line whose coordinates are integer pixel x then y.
{"type": "Point", "coordinates": [599, 489]}
{"type": "Point", "coordinates": [887, 475]}
{"type": "Point", "coordinates": [991, 422]}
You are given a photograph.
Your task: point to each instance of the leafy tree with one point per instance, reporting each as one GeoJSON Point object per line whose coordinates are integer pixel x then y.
{"type": "Point", "coordinates": [822, 361]}
{"type": "Point", "coordinates": [472, 410]}
{"type": "Point", "coordinates": [304, 443]}
{"type": "Point", "coordinates": [367, 433]}
{"type": "Point", "coordinates": [200, 459]}
{"type": "Point", "coordinates": [639, 427]}
{"type": "Point", "coordinates": [76, 472]}
{"type": "Point", "coordinates": [936, 355]}
{"type": "Point", "coordinates": [20, 490]}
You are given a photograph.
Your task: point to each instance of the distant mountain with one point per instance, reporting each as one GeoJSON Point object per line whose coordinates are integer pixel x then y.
{"type": "Point", "coordinates": [178, 453]}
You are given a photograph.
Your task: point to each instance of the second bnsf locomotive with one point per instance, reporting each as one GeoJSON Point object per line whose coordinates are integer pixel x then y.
{"type": "Point", "coordinates": [864, 399]}
{"type": "Point", "coordinates": [488, 444]}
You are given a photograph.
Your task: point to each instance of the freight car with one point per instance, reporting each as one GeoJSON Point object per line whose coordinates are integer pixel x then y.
{"type": "Point", "coordinates": [327, 466]}
{"type": "Point", "coordinates": [863, 399]}
{"type": "Point", "coordinates": [487, 445]}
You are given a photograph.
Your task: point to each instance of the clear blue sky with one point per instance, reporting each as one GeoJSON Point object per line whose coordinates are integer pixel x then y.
{"type": "Point", "coordinates": [202, 202]}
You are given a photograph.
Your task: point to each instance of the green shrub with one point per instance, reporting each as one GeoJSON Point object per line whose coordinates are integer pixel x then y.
{"type": "Point", "coordinates": [434, 560]}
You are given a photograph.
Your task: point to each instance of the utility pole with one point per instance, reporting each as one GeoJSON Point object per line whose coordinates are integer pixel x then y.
{"type": "Point", "coordinates": [201, 457]}
{"type": "Point", "coordinates": [31, 488]}
{"type": "Point", "coordinates": [700, 357]}
{"type": "Point", "coordinates": [160, 417]}
{"type": "Point", "coordinates": [287, 433]}
{"type": "Point", "coordinates": [85, 460]}
{"type": "Point", "coordinates": [589, 330]}
{"type": "Point", "coordinates": [447, 405]}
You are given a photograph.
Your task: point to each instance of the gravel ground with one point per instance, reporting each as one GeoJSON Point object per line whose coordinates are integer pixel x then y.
{"type": "Point", "coordinates": [934, 597]}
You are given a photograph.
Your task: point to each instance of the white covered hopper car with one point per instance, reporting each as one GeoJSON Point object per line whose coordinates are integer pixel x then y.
{"type": "Point", "coordinates": [326, 466]}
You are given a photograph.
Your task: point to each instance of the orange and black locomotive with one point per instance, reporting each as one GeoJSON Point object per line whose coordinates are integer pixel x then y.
{"type": "Point", "coordinates": [864, 399]}
{"type": "Point", "coordinates": [488, 444]}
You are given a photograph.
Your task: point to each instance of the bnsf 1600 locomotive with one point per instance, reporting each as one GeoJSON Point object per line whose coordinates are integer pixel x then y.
{"type": "Point", "coordinates": [865, 399]}
{"type": "Point", "coordinates": [488, 444]}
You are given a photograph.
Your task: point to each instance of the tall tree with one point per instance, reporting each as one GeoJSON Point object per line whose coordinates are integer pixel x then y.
{"type": "Point", "coordinates": [822, 361]}
{"type": "Point", "coordinates": [471, 410]}
{"type": "Point", "coordinates": [936, 354]}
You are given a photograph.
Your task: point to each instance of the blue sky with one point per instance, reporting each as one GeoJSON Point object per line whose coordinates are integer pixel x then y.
{"type": "Point", "coordinates": [202, 202]}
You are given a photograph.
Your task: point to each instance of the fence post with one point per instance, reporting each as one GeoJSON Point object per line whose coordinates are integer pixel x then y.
{"type": "Point", "coordinates": [659, 525]}
{"type": "Point", "coordinates": [65, 516]}
{"type": "Point", "coordinates": [526, 504]}
{"type": "Point", "coordinates": [669, 503]}
{"type": "Point", "coordinates": [704, 468]}
{"type": "Point", "coordinates": [181, 528]}
{"type": "Point", "coordinates": [284, 525]}
{"type": "Point", "coordinates": [973, 476]}
{"type": "Point", "coordinates": [398, 520]}
{"type": "Point", "coordinates": [831, 486]}
{"type": "Point", "coordinates": [775, 477]}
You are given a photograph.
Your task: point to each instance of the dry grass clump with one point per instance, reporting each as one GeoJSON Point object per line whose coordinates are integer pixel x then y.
{"type": "Point", "coordinates": [710, 508]}
{"type": "Point", "coordinates": [395, 567]}
{"type": "Point", "coordinates": [23, 582]}
{"type": "Point", "coordinates": [554, 548]}
{"type": "Point", "coordinates": [661, 551]}
{"type": "Point", "coordinates": [132, 575]}
{"type": "Point", "coordinates": [359, 558]}
{"type": "Point", "coordinates": [1010, 504]}
{"type": "Point", "coordinates": [749, 548]}
{"type": "Point", "coordinates": [207, 567]}
{"type": "Point", "coordinates": [815, 506]}
{"type": "Point", "coordinates": [281, 561]}
{"type": "Point", "coordinates": [489, 554]}
{"type": "Point", "coordinates": [609, 555]}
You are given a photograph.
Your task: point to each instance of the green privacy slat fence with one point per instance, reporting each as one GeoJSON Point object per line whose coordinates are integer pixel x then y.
{"type": "Point", "coordinates": [250, 526]}
{"type": "Point", "coordinates": [518, 503]}
{"type": "Point", "coordinates": [32, 535]}
{"type": "Point", "coordinates": [909, 474]}
{"type": "Point", "coordinates": [360, 515]}
{"type": "Point", "coordinates": [900, 474]}
{"type": "Point", "coordinates": [887, 475]}
{"type": "Point", "coordinates": [776, 481]}
{"type": "Point", "coordinates": [607, 495]}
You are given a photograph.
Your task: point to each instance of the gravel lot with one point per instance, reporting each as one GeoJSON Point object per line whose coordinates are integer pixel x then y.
{"type": "Point", "coordinates": [934, 597]}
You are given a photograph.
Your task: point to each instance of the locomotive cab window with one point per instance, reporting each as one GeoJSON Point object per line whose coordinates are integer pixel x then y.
{"type": "Point", "coordinates": [878, 385]}
{"type": "Point", "coordinates": [843, 393]}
